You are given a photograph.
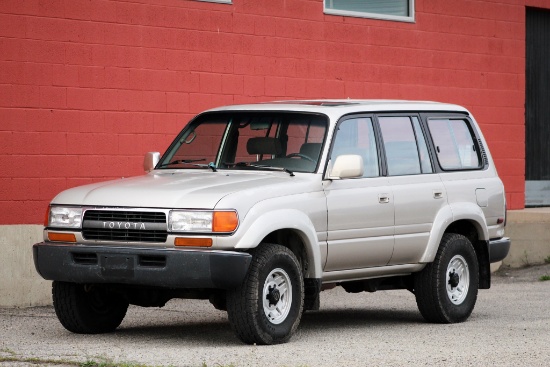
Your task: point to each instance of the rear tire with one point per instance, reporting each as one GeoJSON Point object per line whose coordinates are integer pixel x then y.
{"type": "Point", "coordinates": [267, 307]}
{"type": "Point", "coordinates": [446, 290]}
{"type": "Point", "coordinates": [87, 309]}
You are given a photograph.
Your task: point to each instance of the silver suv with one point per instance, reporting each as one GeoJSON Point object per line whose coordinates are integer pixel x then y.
{"type": "Point", "coordinates": [258, 208]}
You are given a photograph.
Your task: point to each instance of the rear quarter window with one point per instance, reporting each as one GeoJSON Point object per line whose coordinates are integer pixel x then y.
{"type": "Point", "coordinates": [454, 144]}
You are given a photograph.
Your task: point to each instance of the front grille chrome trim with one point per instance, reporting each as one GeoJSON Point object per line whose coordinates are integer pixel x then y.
{"type": "Point", "coordinates": [125, 225]}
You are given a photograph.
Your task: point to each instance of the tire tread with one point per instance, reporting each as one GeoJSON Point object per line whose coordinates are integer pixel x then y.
{"type": "Point", "coordinates": [429, 297]}
{"type": "Point", "coordinates": [241, 302]}
{"type": "Point", "coordinates": [76, 315]}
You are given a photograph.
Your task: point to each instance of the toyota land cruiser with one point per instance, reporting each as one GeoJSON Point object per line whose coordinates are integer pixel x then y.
{"type": "Point", "coordinates": [260, 207]}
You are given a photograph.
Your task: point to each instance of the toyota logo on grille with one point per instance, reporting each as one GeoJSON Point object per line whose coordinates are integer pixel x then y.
{"type": "Point", "coordinates": [124, 225]}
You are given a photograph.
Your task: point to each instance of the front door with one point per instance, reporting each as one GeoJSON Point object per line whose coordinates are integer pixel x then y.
{"type": "Point", "coordinates": [360, 210]}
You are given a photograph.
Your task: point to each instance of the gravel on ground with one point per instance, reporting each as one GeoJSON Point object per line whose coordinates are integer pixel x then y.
{"type": "Point", "coordinates": [510, 326]}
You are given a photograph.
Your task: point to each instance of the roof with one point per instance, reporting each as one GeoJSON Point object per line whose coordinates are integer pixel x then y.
{"type": "Point", "coordinates": [344, 106]}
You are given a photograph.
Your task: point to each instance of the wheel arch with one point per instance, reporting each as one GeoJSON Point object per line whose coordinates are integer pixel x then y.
{"type": "Point", "coordinates": [467, 220]}
{"type": "Point", "coordinates": [446, 289]}
{"type": "Point", "coordinates": [290, 228]}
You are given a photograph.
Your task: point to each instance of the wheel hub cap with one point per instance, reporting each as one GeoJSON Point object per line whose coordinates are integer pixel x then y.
{"type": "Point", "coordinates": [277, 296]}
{"type": "Point", "coordinates": [458, 279]}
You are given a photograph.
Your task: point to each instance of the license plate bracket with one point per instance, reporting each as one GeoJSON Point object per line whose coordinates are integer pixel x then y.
{"type": "Point", "coordinates": [117, 266]}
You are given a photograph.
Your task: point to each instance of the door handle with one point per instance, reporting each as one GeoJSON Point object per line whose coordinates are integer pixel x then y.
{"type": "Point", "coordinates": [383, 198]}
{"type": "Point", "coordinates": [438, 194]}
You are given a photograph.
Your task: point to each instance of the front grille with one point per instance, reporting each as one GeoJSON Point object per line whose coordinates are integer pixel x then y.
{"type": "Point", "coordinates": [124, 235]}
{"type": "Point", "coordinates": [121, 216]}
{"type": "Point", "coordinates": [124, 226]}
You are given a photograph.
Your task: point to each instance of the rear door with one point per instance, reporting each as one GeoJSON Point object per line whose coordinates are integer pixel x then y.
{"type": "Point", "coordinates": [418, 192]}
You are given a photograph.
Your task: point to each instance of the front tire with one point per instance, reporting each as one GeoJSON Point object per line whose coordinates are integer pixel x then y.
{"type": "Point", "coordinates": [267, 307]}
{"type": "Point", "coordinates": [446, 290]}
{"type": "Point", "coordinates": [87, 309]}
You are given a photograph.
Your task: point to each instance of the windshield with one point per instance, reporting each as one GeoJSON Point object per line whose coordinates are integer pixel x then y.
{"type": "Point", "coordinates": [249, 140]}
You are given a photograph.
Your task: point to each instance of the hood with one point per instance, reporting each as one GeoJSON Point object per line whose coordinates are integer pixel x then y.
{"type": "Point", "coordinates": [189, 189]}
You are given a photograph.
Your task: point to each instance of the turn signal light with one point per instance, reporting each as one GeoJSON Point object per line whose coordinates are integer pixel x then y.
{"type": "Point", "coordinates": [61, 237]}
{"type": "Point", "coordinates": [193, 242]}
{"type": "Point", "coordinates": [224, 222]}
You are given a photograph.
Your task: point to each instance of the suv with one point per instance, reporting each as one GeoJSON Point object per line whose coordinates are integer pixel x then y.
{"type": "Point", "coordinates": [258, 208]}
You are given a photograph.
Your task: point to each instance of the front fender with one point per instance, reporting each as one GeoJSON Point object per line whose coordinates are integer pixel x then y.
{"type": "Point", "coordinates": [292, 219]}
{"type": "Point", "coordinates": [448, 215]}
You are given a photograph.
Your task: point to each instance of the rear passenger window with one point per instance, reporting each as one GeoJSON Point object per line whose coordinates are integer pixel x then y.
{"type": "Point", "coordinates": [399, 139]}
{"type": "Point", "coordinates": [454, 144]}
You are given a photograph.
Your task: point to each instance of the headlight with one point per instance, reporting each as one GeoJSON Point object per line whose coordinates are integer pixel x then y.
{"type": "Point", "coordinates": [180, 221]}
{"type": "Point", "coordinates": [65, 217]}
{"type": "Point", "coordinates": [202, 221]}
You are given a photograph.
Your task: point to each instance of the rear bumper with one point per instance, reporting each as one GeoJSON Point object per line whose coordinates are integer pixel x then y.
{"type": "Point", "coordinates": [498, 249]}
{"type": "Point", "coordinates": [167, 268]}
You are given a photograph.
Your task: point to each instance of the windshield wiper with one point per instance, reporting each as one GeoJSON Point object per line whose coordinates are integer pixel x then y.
{"type": "Point", "coordinates": [261, 166]}
{"type": "Point", "coordinates": [191, 162]}
{"type": "Point", "coordinates": [180, 161]}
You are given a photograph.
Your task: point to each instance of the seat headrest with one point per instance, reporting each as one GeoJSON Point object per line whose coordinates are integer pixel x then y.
{"type": "Point", "coordinates": [264, 146]}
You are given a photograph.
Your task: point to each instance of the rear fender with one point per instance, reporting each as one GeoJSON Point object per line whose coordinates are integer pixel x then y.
{"type": "Point", "coordinates": [448, 215]}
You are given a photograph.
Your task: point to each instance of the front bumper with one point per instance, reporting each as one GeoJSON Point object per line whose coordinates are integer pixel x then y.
{"type": "Point", "coordinates": [498, 249]}
{"type": "Point", "coordinates": [167, 268]}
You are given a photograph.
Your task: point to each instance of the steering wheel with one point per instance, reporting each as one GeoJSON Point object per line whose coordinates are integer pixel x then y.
{"type": "Point", "coordinates": [292, 155]}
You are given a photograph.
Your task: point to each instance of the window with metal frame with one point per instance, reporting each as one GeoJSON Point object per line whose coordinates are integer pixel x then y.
{"type": "Point", "coordinates": [400, 146]}
{"type": "Point", "coordinates": [218, 1]}
{"type": "Point", "coordinates": [398, 10]}
{"type": "Point", "coordinates": [454, 144]}
{"type": "Point", "coordinates": [356, 136]}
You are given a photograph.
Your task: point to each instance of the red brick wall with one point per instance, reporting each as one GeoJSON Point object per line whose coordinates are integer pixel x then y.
{"type": "Point", "coordinates": [88, 86]}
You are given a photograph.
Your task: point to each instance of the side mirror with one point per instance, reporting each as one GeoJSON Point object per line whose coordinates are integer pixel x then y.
{"type": "Point", "coordinates": [347, 166]}
{"type": "Point", "coordinates": [150, 161]}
